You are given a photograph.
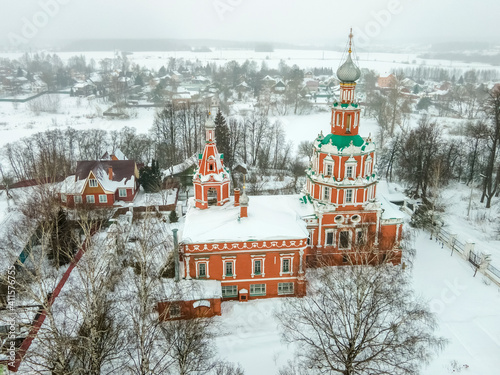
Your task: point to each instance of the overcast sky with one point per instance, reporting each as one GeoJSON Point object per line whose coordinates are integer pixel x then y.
{"type": "Point", "coordinates": [299, 21]}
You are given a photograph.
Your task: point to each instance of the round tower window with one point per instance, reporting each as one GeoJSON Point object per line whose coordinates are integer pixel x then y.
{"type": "Point", "coordinates": [339, 219]}
{"type": "Point", "coordinates": [355, 218]}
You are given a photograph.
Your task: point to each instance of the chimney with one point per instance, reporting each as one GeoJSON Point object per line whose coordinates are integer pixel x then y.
{"type": "Point", "coordinates": [236, 197]}
{"type": "Point", "coordinates": [110, 173]}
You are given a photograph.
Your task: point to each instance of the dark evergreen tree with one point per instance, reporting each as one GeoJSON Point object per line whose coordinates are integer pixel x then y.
{"type": "Point", "coordinates": [157, 96]}
{"type": "Point", "coordinates": [222, 137]}
{"type": "Point", "coordinates": [173, 218]}
{"type": "Point", "coordinates": [424, 103]}
{"type": "Point", "coordinates": [138, 80]}
{"type": "Point", "coordinates": [150, 177]}
{"type": "Point", "coordinates": [162, 72]}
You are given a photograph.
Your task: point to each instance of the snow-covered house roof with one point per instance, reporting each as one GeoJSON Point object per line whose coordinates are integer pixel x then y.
{"type": "Point", "coordinates": [268, 79]}
{"type": "Point", "coordinates": [190, 290]}
{"type": "Point", "coordinates": [81, 85]}
{"type": "Point", "coordinates": [179, 168]}
{"type": "Point", "coordinates": [71, 185]}
{"type": "Point", "coordinates": [269, 218]}
{"type": "Point", "coordinates": [389, 210]}
{"type": "Point", "coordinates": [111, 174]}
{"type": "Point", "coordinates": [116, 155]}
{"type": "Point", "coordinates": [182, 95]}
{"type": "Point", "coordinates": [95, 77]}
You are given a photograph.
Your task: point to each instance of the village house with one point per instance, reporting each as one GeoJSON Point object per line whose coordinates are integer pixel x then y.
{"type": "Point", "coordinates": [386, 81]}
{"type": "Point", "coordinates": [83, 88]}
{"type": "Point", "coordinates": [279, 87]}
{"type": "Point", "coordinates": [101, 183]}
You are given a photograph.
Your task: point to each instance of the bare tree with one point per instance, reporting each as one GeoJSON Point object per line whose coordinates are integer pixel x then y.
{"type": "Point", "coordinates": [147, 350]}
{"type": "Point", "coordinates": [78, 334]}
{"type": "Point", "coordinates": [419, 150]}
{"type": "Point", "coordinates": [190, 345]}
{"type": "Point", "coordinates": [492, 171]}
{"type": "Point", "coordinates": [359, 320]}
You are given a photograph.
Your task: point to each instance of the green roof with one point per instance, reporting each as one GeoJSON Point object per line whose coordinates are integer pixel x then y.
{"type": "Point", "coordinates": [342, 141]}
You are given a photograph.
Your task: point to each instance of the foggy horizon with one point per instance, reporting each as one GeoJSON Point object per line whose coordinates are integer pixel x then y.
{"type": "Point", "coordinates": [325, 24]}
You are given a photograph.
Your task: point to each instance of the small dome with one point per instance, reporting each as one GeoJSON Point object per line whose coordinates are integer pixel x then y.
{"type": "Point", "coordinates": [348, 71]}
{"type": "Point", "coordinates": [244, 199]}
{"type": "Point", "coordinates": [210, 124]}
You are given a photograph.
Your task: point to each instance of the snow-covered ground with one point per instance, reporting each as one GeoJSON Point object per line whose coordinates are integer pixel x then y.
{"type": "Point", "coordinates": [381, 62]}
{"type": "Point", "coordinates": [481, 227]}
{"type": "Point", "coordinates": [79, 113]}
{"type": "Point", "coordinates": [468, 312]}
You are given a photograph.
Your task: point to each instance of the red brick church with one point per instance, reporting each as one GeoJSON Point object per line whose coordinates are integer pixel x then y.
{"type": "Point", "coordinates": [260, 246]}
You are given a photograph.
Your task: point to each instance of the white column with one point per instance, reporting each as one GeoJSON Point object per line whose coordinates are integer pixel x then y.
{"type": "Point", "coordinates": [188, 276]}
{"type": "Point", "coordinates": [301, 261]}
{"type": "Point", "coordinates": [320, 219]}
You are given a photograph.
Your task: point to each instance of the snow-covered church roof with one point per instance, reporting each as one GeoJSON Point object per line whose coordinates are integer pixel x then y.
{"type": "Point", "coordinates": [277, 217]}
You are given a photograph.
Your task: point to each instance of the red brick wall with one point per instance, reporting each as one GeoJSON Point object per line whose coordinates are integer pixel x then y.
{"type": "Point", "coordinates": [188, 311]}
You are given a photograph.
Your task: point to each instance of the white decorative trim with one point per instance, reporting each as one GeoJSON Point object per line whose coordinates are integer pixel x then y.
{"type": "Point", "coordinates": [260, 280]}
{"type": "Point", "coordinates": [202, 302]}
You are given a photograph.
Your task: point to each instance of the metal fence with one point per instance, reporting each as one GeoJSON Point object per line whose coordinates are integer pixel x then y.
{"type": "Point", "coordinates": [476, 258]}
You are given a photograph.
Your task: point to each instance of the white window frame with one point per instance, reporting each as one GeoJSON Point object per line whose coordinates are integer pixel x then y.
{"type": "Point", "coordinates": [351, 193]}
{"type": "Point", "coordinates": [93, 182]}
{"type": "Point", "coordinates": [103, 198]}
{"type": "Point", "coordinates": [283, 258]}
{"type": "Point", "coordinates": [204, 267]}
{"type": "Point", "coordinates": [229, 266]}
{"type": "Point", "coordinates": [368, 167]}
{"type": "Point", "coordinates": [328, 164]}
{"type": "Point", "coordinates": [197, 263]}
{"type": "Point", "coordinates": [350, 168]}
{"type": "Point", "coordinates": [259, 263]}
{"type": "Point", "coordinates": [122, 193]}
{"type": "Point", "coordinates": [349, 240]}
{"type": "Point", "coordinates": [230, 295]}
{"type": "Point", "coordinates": [64, 198]}
{"type": "Point", "coordinates": [90, 198]}
{"type": "Point", "coordinates": [255, 293]}
{"type": "Point", "coordinates": [231, 260]}
{"type": "Point", "coordinates": [327, 232]}
{"type": "Point", "coordinates": [351, 162]}
{"type": "Point", "coordinates": [260, 258]}
{"type": "Point", "coordinates": [284, 288]}
{"type": "Point", "coordinates": [327, 196]}
{"type": "Point", "coordinates": [77, 199]}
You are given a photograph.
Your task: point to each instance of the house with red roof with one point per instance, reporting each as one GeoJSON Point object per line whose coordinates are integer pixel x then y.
{"type": "Point", "coordinates": [101, 183]}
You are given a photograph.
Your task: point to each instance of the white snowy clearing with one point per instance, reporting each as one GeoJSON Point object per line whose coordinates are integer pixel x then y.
{"type": "Point", "coordinates": [468, 312]}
